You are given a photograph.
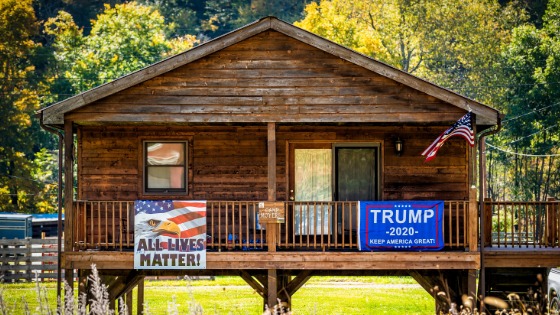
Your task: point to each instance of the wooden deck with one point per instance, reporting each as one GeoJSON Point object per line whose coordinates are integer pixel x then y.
{"type": "Point", "coordinates": [233, 226]}
{"type": "Point", "coordinates": [104, 234]}
{"type": "Point", "coordinates": [347, 261]}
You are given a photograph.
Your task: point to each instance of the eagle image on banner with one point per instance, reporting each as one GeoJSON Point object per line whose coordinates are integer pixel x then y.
{"type": "Point", "coordinates": [169, 234]}
{"type": "Point", "coordinates": [400, 225]}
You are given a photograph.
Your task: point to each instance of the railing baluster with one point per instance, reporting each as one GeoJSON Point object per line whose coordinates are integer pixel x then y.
{"type": "Point", "coordinates": [343, 226]}
{"type": "Point", "coordinates": [456, 218]}
{"type": "Point", "coordinates": [447, 233]}
{"type": "Point", "coordinates": [514, 209]}
{"type": "Point", "coordinates": [315, 222]}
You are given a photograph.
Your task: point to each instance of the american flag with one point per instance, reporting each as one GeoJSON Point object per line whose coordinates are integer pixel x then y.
{"type": "Point", "coordinates": [462, 128]}
{"type": "Point", "coordinates": [170, 218]}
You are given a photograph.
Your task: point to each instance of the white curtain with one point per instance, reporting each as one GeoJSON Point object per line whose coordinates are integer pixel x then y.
{"type": "Point", "coordinates": [313, 182]}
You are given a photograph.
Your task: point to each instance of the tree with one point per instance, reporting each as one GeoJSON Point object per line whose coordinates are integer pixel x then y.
{"type": "Point", "coordinates": [182, 17]}
{"type": "Point", "coordinates": [451, 43]}
{"type": "Point", "coordinates": [123, 39]}
{"type": "Point", "coordinates": [23, 181]}
{"type": "Point", "coordinates": [531, 64]}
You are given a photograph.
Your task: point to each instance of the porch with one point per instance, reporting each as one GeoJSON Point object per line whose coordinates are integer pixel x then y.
{"type": "Point", "coordinates": [233, 226]}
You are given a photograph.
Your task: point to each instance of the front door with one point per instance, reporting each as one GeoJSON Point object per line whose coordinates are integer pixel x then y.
{"type": "Point", "coordinates": [330, 172]}
{"type": "Point", "coordinates": [311, 182]}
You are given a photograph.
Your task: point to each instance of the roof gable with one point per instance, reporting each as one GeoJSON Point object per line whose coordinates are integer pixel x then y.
{"type": "Point", "coordinates": [54, 114]}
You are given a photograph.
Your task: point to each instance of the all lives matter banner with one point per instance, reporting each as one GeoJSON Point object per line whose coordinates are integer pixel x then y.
{"type": "Point", "coordinates": [400, 225]}
{"type": "Point", "coordinates": [169, 234]}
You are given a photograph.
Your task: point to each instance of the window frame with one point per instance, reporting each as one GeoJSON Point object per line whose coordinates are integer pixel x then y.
{"type": "Point", "coordinates": [145, 166]}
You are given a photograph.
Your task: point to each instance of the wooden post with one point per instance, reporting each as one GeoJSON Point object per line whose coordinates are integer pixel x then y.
{"type": "Point", "coordinates": [471, 284]}
{"type": "Point", "coordinates": [272, 228]}
{"type": "Point", "coordinates": [128, 299]}
{"type": "Point", "coordinates": [139, 298]}
{"type": "Point", "coordinates": [28, 263]}
{"type": "Point", "coordinates": [83, 287]}
{"type": "Point", "coordinates": [271, 161]}
{"type": "Point", "coordinates": [487, 217]}
{"type": "Point", "coordinates": [271, 232]}
{"type": "Point", "coordinates": [473, 221]}
{"type": "Point", "coordinates": [69, 197]}
{"type": "Point", "coordinates": [272, 296]}
{"type": "Point", "coordinates": [552, 228]}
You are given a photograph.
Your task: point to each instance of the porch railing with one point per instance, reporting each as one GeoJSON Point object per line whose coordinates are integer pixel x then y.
{"type": "Point", "coordinates": [522, 224]}
{"type": "Point", "coordinates": [233, 225]}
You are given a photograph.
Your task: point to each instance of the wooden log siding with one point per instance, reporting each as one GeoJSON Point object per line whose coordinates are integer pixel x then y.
{"type": "Point", "coordinates": [232, 225]}
{"type": "Point", "coordinates": [230, 162]}
{"type": "Point", "coordinates": [269, 77]}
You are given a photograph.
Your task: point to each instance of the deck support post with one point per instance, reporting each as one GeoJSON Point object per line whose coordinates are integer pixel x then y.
{"type": "Point", "coordinates": [471, 285]}
{"type": "Point", "coordinates": [83, 284]}
{"type": "Point", "coordinates": [128, 297]}
{"type": "Point", "coordinates": [272, 288]}
{"type": "Point", "coordinates": [68, 199]}
{"type": "Point", "coordinates": [271, 228]}
{"type": "Point", "coordinates": [140, 298]}
{"type": "Point", "coordinates": [447, 287]}
{"type": "Point", "coordinates": [284, 287]}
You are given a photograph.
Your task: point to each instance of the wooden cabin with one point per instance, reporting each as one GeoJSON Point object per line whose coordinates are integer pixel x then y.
{"type": "Point", "coordinates": [272, 114]}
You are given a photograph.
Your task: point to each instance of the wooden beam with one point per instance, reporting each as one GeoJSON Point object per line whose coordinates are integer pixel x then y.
{"type": "Point", "coordinates": [124, 284]}
{"type": "Point", "coordinates": [139, 298]}
{"type": "Point", "coordinates": [283, 295]}
{"type": "Point", "coordinates": [271, 161]}
{"type": "Point", "coordinates": [298, 281]}
{"type": "Point", "coordinates": [68, 197]}
{"type": "Point", "coordinates": [422, 281]}
{"type": "Point", "coordinates": [473, 221]}
{"type": "Point", "coordinates": [521, 258]}
{"type": "Point", "coordinates": [83, 288]}
{"type": "Point", "coordinates": [471, 284]}
{"type": "Point", "coordinates": [128, 301]}
{"type": "Point", "coordinates": [272, 287]}
{"type": "Point", "coordinates": [223, 261]}
{"type": "Point", "coordinates": [256, 285]}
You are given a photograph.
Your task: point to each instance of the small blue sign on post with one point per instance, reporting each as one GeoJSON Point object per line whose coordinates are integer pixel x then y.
{"type": "Point", "coordinates": [400, 225]}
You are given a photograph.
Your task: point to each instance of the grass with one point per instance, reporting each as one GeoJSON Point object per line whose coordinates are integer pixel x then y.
{"type": "Point", "coordinates": [231, 295]}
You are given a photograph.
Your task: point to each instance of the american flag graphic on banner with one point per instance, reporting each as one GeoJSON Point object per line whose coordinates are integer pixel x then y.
{"type": "Point", "coordinates": [169, 233]}
{"type": "Point", "coordinates": [463, 128]}
{"type": "Point", "coordinates": [177, 219]}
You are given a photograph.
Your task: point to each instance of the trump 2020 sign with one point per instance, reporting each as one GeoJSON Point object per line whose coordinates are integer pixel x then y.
{"type": "Point", "coordinates": [400, 225]}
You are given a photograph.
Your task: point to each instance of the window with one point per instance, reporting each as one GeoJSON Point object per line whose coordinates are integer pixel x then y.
{"type": "Point", "coordinates": [165, 166]}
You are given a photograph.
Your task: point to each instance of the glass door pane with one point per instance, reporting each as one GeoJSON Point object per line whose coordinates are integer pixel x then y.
{"type": "Point", "coordinates": [356, 174]}
{"type": "Point", "coordinates": [312, 182]}
{"type": "Point", "coordinates": [356, 180]}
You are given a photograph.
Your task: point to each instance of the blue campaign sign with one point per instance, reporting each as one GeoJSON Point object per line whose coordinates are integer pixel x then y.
{"type": "Point", "coordinates": [400, 225]}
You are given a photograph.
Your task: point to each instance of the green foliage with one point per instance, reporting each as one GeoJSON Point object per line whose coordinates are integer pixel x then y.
{"type": "Point", "coordinates": [531, 65]}
{"type": "Point", "coordinates": [453, 43]}
{"type": "Point", "coordinates": [20, 189]}
{"type": "Point", "coordinates": [484, 49]}
{"type": "Point", "coordinates": [123, 39]}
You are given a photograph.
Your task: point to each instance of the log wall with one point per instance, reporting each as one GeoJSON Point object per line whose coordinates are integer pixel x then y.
{"type": "Point", "coordinates": [230, 162]}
